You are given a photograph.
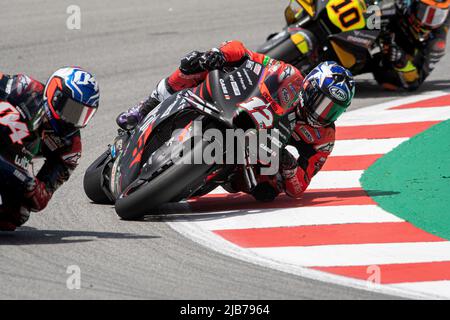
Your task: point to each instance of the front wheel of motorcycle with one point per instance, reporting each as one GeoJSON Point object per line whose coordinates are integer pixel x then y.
{"type": "Point", "coordinates": [166, 187]}
{"type": "Point", "coordinates": [94, 180]}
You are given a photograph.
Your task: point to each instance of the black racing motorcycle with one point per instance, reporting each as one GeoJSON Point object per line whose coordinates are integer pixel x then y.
{"type": "Point", "coordinates": [346, 31]}
{"type": "Point", "coordinates": [156, 162]}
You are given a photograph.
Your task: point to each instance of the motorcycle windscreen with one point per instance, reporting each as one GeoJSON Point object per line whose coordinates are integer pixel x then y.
{"type": "Point", "coordinates": [295, 9]}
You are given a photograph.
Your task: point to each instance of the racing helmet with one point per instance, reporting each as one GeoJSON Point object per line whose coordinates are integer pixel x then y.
{"type": "Point", "coordinates": [326, 93]}
{"type": "Point", "coordinates": [422, 16]}
{"type": "Point", "coordinates": [71, 97]}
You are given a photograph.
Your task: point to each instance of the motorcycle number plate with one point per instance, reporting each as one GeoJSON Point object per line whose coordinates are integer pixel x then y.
{"type": "Point", "coordinates": [347, 15]}
{"type": "Point", "coordinates": [259, 111]}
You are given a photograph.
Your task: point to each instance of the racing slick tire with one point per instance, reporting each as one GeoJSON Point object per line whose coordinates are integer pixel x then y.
{"type": "Point", "coordinates": [94, 180]}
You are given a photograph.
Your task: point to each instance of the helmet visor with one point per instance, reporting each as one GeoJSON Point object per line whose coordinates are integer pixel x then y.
{"type": "Point", "coordinates": [323, 111]}
{"type": "Point", "coordinates": [431, 16]}
{"type": "Point", "coordinates": [76, 113]}
{"type": "Point", "coordinates": [320, 109]}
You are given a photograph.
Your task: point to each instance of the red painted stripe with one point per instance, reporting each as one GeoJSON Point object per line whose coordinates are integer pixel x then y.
{"type": "Point", "coordinates": [383, 131]}
{"type": "Point", "coordinates": [208, 85]}
{"type": "Point", "coordinates": [356, 233]}
{"type": "Point", "coordinates": [311, 198]}
{"type": "Point", "coordinates": [396, 273]}
{"type": "Point", "coordinates": [343, 163]}
{"type": "Point", "coordinates": [442, 101]}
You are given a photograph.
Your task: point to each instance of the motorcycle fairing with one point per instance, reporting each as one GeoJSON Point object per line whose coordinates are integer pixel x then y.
{"type": "Point", "coordinates": [297, 8]}
{"type": "Point", "coordinates": [347, 15]}
{"type": "Point", "coordinates": [353, 48]}
{"type": "Point", "coordinates": [216, 98]}
{"type": "Point", "coordinates": [132, 152]}
{"type": "Point", "coordinates": [229, 89]}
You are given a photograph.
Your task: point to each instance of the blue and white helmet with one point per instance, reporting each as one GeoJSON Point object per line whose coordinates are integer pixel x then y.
{"type": "Point", "coordinates": [326, 93]}
{"type": "Point", "coordinates": [72, 95]}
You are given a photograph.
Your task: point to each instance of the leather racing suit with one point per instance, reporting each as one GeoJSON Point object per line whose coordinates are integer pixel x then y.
{"type": "Point", "coordinates": [26, 135]}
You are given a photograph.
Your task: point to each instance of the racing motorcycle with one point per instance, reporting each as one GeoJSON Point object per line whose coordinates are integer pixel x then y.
{"type": "Point", "coordinates": [341, 30]}
{"type": "Point", "coordinates": [155, 163]}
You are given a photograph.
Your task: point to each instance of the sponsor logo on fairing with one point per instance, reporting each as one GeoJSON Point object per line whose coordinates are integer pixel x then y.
{"type": "Point", "coordinates": [250, 82]}
{"type": "Point", "coordinates": [223, 86]}
{"type": "Point", "coordinates": [250, 64]}
{"type": "Point", "coordinates": [241, 80]}
{"type": "Point", "coordinates": [235, 87]}
{"type": "Point", "coordinates": [257, 69]}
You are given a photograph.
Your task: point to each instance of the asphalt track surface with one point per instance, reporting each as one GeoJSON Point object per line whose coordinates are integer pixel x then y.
{"type": "Point", "coordinates": [130, 45]}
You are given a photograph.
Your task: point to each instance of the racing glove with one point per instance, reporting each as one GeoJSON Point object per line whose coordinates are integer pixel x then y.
{"type": "Point", "coordinates": [213, 60]}
{"type": "Point", "coordinates": [190, 64]}
{"type": "Point", "coordinates": [38, 196]}
{"type": "Point", "coordinates": [396, 56]}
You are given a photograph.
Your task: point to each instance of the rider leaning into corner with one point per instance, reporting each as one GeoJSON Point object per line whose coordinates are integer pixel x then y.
{"type": "Point", "coordinates": [414, 41]}
{"type": "Point", "coordinates": [315, 98]}
{"type": "Point", "coordinates": [419, 37]}
{"type": "Point", "coordinates": [38, 120]}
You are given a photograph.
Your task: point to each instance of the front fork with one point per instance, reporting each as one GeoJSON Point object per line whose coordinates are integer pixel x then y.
{"type": "Point", "coordinates": [249, 175]}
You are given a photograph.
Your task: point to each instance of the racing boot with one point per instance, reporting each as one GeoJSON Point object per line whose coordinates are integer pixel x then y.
{"type": "Point", "coordinates": [129, 119]}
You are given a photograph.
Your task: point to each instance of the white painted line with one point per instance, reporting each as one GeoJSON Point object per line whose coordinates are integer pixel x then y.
{"type": "Point", "coordinates": [365, 146]}
{"type": "Point", "coordinates": [441, 288]}
{"type": "Point", "coordinates": [369, 116]}
{"type": "Point", "coordinates": [398, 102]}
{"type": "Point", "coordinates": [216, 243]}
{"type": "Point", "coordinates": [336, 179]}
{"type": "Point", "coordinates": [359, 254]}
{"type": "Point", "coordinates": [302, 216]}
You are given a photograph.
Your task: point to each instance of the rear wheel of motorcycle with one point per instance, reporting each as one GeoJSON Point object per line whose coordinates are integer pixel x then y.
{"type": "Point", "coordinates": [94, 180]}
{"type": "Point", "coordinates": [166, 187]}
